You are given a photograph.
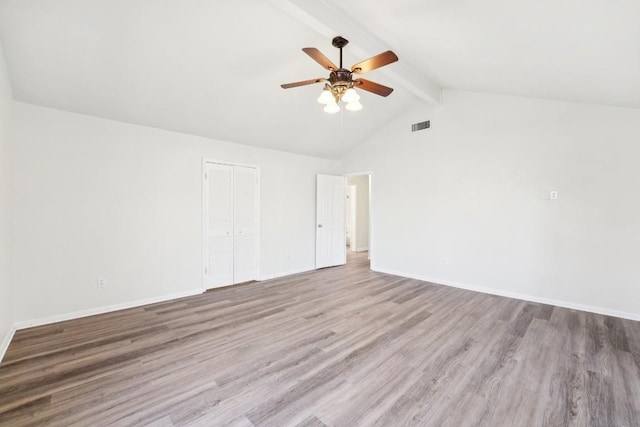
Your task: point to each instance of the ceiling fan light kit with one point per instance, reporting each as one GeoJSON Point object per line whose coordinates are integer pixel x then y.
{"type": "Point", "coordinates": [326, 97]}
{"type": "Point", "coordinates": [350, 95]}
{"type": "Point", "coordinates": [340, 84]}
{"type": "Point", "coordinates": [330, 100]}
{"type": "Point", "coordinates": [331, 108]}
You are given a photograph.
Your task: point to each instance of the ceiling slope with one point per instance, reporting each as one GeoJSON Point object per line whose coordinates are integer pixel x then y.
{"type": "Point", "coordinates": [214, 68]}
{"type": "Point", "coordinates": [206, 68]}
{"type": "Point", "coordinates": [585, 51]}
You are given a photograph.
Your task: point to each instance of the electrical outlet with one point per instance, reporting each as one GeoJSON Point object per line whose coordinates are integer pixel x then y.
{"type": "Point", "coordinates": [553, 195]}
{"type": "Point", "coordinates": [102, 282]}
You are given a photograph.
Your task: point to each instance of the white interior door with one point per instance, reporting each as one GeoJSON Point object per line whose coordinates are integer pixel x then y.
{"type": "Point", "coordinates": [330, 227]}
{"type": "Point", "coordinates": [246, 224]}
{"type": "Point", "coordinates": [219, 225]}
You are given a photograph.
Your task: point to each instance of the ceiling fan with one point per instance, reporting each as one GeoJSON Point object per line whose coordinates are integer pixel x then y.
{"type": "Point", "coordinates": [340, 84]}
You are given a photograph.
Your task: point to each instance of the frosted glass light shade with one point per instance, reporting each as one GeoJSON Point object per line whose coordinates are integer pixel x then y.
{"type": "Point", "coordinates": [326, 97]}
{"type": "Point", "coordinates": [350, 95]}
{"type": "Point", "coordinates": [354, 106]}
{"type": "Point", "coordinates": [331, 108]}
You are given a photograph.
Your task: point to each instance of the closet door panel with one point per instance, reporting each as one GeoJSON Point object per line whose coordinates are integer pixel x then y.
{"type": "Point", "coordinates": [220, 189]}
{"type": "Point", "coordinates": [246, 224]}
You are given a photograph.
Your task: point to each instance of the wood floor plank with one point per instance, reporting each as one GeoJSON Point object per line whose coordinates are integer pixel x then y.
{"type": "Point", "coordinates": [341, 346]}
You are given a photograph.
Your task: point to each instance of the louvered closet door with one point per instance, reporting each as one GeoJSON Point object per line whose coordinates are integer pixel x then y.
{"type": "Point", "coordinates": [246, 224]}
{"type": "Point", "coordinates": [219, 257]}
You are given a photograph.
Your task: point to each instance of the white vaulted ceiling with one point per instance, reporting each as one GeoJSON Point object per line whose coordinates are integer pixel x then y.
{"type": "Point", "coordinates": [572, 50]}
{"type": "Point", "coordinates": [213, 68]}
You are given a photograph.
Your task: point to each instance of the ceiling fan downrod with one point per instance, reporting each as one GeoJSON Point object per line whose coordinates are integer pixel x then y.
{"type": "Point", "coordinates": [340, 42]}
{"type": "Point", "coordinates": [341, 79]}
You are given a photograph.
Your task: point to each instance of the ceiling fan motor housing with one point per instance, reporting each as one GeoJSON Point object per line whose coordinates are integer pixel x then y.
{"type": "Point", "coordinates": [339, 82]}
{"type": "Point", "coordinates": [340, 76]}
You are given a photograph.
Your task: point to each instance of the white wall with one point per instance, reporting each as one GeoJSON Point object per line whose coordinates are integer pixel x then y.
{"type": "Point", "coordinates": [362, 210]}
{"type": "Point", "coordinates": [462, 203]}
{"type": "Point", "coordinates": [6, 318]}
{"type": "Point", "coordinates": [93, 197]}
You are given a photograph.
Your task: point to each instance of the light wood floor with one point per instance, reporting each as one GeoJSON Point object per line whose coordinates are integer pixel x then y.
{"type": "Point", "coordinates": [337, 347]}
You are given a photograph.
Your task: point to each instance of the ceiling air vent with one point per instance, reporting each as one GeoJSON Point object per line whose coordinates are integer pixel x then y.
{"type": "Point", "coordinates": [420, 126]}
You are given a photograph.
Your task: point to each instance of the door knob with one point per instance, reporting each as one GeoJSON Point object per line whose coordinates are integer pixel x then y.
{"type": "Point", "coordinates": [319, 225]}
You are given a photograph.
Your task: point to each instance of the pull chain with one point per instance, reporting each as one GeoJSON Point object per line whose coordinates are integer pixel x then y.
{"type": "Point", "coordinates": [342, 129]}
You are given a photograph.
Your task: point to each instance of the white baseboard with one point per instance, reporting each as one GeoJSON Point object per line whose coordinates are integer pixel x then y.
{"type": "Point", "coordinates": [363, 249]}
{"type": "Point", "coordinates": [101, 310]}
{"type": "Point", "coordinates": [287, 273]}
{"type": "Point", "coordinates": [516, 295]}
{"type": "Point", "coordinates": [6, 341]}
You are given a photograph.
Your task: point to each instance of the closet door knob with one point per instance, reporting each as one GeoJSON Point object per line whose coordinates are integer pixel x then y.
{"type": "Point", "coordinates": [319, 225]}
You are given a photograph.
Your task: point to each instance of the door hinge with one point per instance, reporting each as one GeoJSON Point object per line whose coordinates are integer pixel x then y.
{"type": "Point", "coordinates": [205, 270]}
{"type": "Point", "coordinates": [205, 176]}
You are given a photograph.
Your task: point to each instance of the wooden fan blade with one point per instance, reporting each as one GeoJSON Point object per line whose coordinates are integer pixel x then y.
{"type": "Point", "coordinates": [377, 61]}
{"type": "Point", "coordinates": [372, 87]}
{"type": "Point", "coordinates": [304, 83]}
{"type": "Point", "coordinates": [319, 57]}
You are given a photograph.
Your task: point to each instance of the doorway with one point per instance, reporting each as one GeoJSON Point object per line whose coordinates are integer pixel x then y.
{"type": "Point", "coordinates": [343, 221]}
{"type": "Point", "coordinates": [357, 214]}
